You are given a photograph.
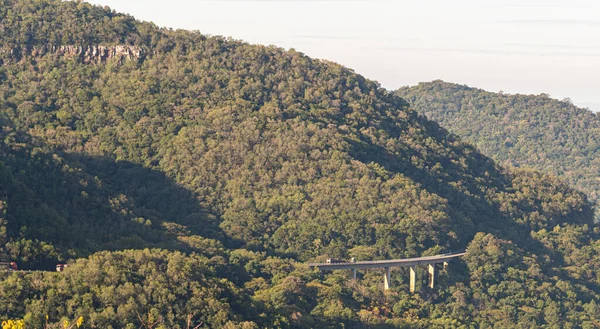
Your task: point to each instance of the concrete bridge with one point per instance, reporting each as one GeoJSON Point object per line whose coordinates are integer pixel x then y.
{"type": "Point", "coordinates": [430, 261]}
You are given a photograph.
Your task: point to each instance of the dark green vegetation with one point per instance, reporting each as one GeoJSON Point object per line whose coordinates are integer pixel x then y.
{"type": "Point", "coordinates": [194, 178]}
{"type": "Point", "coordinates": [518, 130]}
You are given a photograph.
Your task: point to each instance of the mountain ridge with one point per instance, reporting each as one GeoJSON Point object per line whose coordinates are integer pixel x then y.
{"type": "Point", "coordinates": [518, 130]}
{"type": "Point", "coordinates": [197, 182]}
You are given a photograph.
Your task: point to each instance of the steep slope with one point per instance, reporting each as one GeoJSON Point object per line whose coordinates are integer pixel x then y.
{"type": "Point", "coordinates": [121, 135]}
{"type": "Point", "coordinates": [58, 207]}
{"type": "Point", "coordinates": [518, 130]}
{"type": "Point", "coordinates": [292, 154]}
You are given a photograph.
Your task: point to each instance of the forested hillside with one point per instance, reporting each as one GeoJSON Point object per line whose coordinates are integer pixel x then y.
{"type": "Point", "coordinates": [552, 136]}
{"type": "Point", "coordinates": [183, 175]}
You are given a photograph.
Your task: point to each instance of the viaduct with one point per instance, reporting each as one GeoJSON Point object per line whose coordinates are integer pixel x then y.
{"type": "Point", "coordinates": [430, 261]}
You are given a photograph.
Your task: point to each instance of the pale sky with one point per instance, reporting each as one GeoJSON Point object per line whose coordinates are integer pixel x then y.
{"type": "Point", "coordinates": [527, 46]}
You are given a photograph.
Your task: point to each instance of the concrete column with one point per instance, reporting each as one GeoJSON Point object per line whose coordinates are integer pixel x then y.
{"type": "Point", "coordinates": [354, 274]}
{"type": "Point", "coordinates": [386, 279]}
{"type": "Point", "coordinates": [431, 271]}
{"type": "Point", "coordinates": [413, 279]}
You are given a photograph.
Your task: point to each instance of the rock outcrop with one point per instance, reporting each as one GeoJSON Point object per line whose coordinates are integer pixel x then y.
{"type": "Point", "coordinates": [86, 54]}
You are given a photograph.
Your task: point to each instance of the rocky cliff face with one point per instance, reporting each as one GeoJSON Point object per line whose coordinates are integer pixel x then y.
{"type": "Point", "coordinates": [86, 54]}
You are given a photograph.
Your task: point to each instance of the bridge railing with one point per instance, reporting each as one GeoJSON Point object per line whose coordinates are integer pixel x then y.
{"type": "Point", "coordinates": [430, 261]}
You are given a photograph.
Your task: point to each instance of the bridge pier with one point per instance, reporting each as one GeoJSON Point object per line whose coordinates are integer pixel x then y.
{"type": "Point", "coordinates": [430, 261]}
{"type": "Point", "coordinates": [431, 271]}
{"type": "Point", "coordinates": [386, 279]}
{"type": "Point", "coordinates": [413, 279]}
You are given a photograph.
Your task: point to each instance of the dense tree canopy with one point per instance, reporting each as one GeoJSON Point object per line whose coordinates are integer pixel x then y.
{"type": "Point", "coordinates": [518, 130]}
{"type": "Point", "coordinates": [191, 175]}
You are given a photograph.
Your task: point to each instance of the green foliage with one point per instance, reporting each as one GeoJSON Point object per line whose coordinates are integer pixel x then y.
{"type": "Point", "coordinates": [518, 130]}
{"type": "Point", "coordinates": [186, 184]}
{"type": "Point", "coordinates": [116, 289]}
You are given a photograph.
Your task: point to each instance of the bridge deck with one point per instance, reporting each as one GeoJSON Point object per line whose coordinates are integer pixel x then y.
{"type": "Point", "coordinates": [386, 263]}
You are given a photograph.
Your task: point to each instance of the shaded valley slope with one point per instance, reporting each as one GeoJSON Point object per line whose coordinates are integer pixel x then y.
{"type": "Point", "coordinates": [533, 131]}
{"type": "Point", "coordinates": [188, 175]}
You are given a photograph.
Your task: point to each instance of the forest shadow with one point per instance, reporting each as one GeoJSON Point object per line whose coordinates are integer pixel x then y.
{"type": "Point", "coordinates": [463, 183]}
{"type": "Point", "coordinates": [152, 195]}
{"type": "Point", "coordinates": [68, 205]}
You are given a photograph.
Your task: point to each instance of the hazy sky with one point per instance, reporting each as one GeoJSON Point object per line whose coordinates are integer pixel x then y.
{"type": "Point", "coordinates": [527, 46]}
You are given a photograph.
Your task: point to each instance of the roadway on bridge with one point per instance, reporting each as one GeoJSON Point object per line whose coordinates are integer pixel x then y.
{"type": "Point", "coordinates": [386, 263]}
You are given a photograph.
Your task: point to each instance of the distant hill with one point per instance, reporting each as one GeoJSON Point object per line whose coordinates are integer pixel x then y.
{"type": "Point", "coordinates": [190, 176]}
{"type": "Point", "coordinates": [518, 130]}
